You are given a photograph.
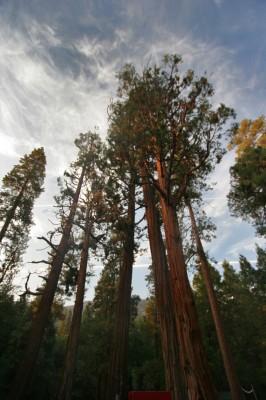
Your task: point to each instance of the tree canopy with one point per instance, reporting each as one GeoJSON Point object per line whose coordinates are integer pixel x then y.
{"type": "Point", "coordinates": [21, 187]}
{"type": "Point", "coordinates": [247, 196]}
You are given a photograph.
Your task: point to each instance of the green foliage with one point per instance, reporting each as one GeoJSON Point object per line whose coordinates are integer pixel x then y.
{"type": "Point", "coordinates": [15, 321]}
{"type": "Point", "coordinates": [96, 336]}
{"type": "Point", "coordinates": [207, 325]}
{"type": "Point", "coordinates": [165, 117]}
{"type": "Point", "coordinates": [146, 369]}
{"type": "Point", "coordinates": [247, 196]}
{"type": "Point", "coordinates": [242, 296]}
{"type": "Point", "coordinates": [13, 247]}
{"type": "Point", "coordinates": [94, 351]}
{"type": "Point", "coordinates": [21, 187]}
{"type": "Point", "coordinates": [91, 206]}
{"type": "Point", "coordinates": [105, 290]}
{"type": "Point", "coordinates": [30, 170]}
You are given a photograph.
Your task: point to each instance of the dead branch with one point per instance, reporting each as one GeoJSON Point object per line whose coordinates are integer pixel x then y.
{"type": "Point", "coordinates": [48, 242]}
{"type": "Point", "coordinates": [28, 291]}
{"type": "Point", "coordinates": [39, 262]}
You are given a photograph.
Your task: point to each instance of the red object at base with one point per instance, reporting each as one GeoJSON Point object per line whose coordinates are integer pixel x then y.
{"type": "Point", "coordinates": [149, 396]}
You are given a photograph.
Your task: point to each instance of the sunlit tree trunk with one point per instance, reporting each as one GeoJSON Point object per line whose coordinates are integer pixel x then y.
{"type": "Point", "coordinates": [67, 377]}
{"type": "Point", "coordinates": [117, 377]}
{"type": "Point", "coordinates": [24, 374]}
{"type": "Point", "coordinates": [192, 357]}
{"type": "Point", "coordinates": [235, 388]}
{"type": "Point", "coordinates": [174, 375]}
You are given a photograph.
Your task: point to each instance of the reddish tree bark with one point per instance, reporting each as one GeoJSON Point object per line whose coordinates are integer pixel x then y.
{"type": "Point", "coordinates": [174, 375]}
{"type": "Point", "coordinates": [192, 357]}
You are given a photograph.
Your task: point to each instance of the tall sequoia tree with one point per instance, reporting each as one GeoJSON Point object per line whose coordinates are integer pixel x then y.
{"type": "Point", "coordinates": [176, 134]}
{"type": "Point", "coordinates": [124, 173]}
{"type": "Point", "coordinates": [174, 376]}
{"type": "Point", "coordinates": [25, 370]}
{"type": "Point", "coordinates": [21, 187]}
{"type": "Point", "coordinates": [247, 196]}
{"type": "Point", "coordinates": [124, 150]}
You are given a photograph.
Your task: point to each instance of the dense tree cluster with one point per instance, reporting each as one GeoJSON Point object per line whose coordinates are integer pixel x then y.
{"type": "Point", "coordinates": [163, 141]}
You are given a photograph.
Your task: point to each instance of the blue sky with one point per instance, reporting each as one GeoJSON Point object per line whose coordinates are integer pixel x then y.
{"type": "Point", "coordinates": [58, 62]}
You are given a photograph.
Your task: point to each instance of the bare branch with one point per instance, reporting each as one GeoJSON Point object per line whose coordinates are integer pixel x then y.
{"type": "Point", "coordinates": [39, 262]}
{"type": "Point", "coordinates": [49, 242]}
{"type": "Point", "coordinates": [28, 291]}
{"type": "Point", "coordinates": [43, 277]}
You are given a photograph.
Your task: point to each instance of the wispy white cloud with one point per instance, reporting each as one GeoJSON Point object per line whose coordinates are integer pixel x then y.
{"type": "Point", "coordinates": [205, 56]}
{"type": "Point", "coordinates": [218, 2]}
{"type": "Point", "coordinates": [7, 147]}
{"type": "Point", "coordinates": [42, 106]}
{"type": "Point", "coordinates": [245, 246]}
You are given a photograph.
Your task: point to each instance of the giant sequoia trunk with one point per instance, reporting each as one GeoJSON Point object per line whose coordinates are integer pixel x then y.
{"type": "Point", "coordinates": [66, 382]}
{"type": "Point", "coordinates": [24, 374]}
{"type": "Point", "coordinates": [192, 357]}
{"type": "Point", "coordinates": [174, 375]}
{"type": "Point", "coordinates": [117, 377]}
{"type": "Point", "coordinates": [235, 388]}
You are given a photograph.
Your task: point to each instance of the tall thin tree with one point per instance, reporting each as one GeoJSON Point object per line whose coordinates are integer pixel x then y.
{"type": "Point", "coordinates": [25, 370]}
{"type": "Point", "coordinates": [66, 382]}
{"type": "Point", "coordinates": [117, 376]}
{"type": "Point", "coordinates": [93, 204]}
{"type": "Point", "coordinates": [236, 391]}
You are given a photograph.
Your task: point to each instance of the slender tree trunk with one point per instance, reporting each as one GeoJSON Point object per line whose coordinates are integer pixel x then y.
{"type": "Point", "coordinates": [117, 377]}
{"type": "Point", "coordinates": [11, 212]}
{"type": "Point", "coordinates": [67, 377]}
{"type": "Point", "coordinates": [24, 374]}
{"type": "Point", "coordinates": [192, 357]}
{"type": "Point", "coordinates": [174, 375]}
{"type": "Point", "coordinates": [235, 388]}
{"type": "Point", "coordinates": [98, 388]}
